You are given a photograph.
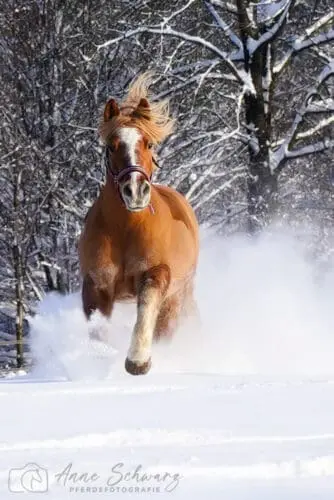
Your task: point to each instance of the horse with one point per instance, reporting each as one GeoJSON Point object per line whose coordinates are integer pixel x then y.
{"type": "Point", "coordinates": [140, 240]}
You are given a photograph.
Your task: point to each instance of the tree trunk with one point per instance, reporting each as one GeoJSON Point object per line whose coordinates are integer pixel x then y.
{"type": "Point", "coordinates": [261, 182]}
{"type": "Point", "coordinates": [17, 264]}
{"type": "Point", "coordinates": [19, 294]}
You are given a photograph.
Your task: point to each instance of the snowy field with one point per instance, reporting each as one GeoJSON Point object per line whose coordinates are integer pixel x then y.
{"type": "Point", "coordinates": [241, 408]}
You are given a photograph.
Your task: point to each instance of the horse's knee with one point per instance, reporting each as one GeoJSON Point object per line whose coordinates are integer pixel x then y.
{"type": "Point", "coordinates": [157, 278]}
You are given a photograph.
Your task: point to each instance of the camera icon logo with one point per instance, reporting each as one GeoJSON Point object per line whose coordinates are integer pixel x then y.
{"type": "Point", "coordinates": [31, 478]}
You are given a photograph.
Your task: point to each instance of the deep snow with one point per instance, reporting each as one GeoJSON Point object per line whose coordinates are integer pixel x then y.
{"type": "Point", "coordinates": [240, 408]}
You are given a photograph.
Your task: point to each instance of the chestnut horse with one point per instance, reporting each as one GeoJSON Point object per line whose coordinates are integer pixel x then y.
{"type": "Point", "coordinates": [140, 239]}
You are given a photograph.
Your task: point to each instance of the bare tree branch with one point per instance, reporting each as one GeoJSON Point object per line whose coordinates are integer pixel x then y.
{"type": "Point", "coordinates": [224, 56]}
{"type": "Point", "coordinates": [307, 40]}
{"type": "Point", "coordinates": [224, 26]}
{"type": "Point", "coordinates": [283, 151]}
{"type": "Point", "coordinates": [311, 149]}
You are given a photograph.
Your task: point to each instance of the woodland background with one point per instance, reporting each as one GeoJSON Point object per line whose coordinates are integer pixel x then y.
{"type": "Point", "coordinates": [251, 85]}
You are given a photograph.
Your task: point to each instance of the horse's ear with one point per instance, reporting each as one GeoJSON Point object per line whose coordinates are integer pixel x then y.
{"type": "Point", "coordinates": [111, 109]}
{"type": "Point", "coordinates": [143, 109]}
{"type": "Point", "coordinates": [143, 103]}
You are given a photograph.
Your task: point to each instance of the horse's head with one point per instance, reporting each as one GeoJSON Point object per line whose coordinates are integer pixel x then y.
{"type": "Point", "coordinates": [130, 132]}
{"type": "Point", "coordinates": [129, 157]}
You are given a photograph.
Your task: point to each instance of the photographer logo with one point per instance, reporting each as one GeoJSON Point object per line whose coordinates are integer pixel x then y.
{"type": "Point", "coordinates": [31, 478]}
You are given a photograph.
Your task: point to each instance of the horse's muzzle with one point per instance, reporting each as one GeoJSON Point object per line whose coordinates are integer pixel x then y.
{"type": "Point", "coordinates": [135, 192]}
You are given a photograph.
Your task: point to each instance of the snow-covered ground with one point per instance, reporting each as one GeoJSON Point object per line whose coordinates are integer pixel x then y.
{"type": "Point", "coordinates": [196, 434]}
{"type": "Point", "coordinates": [241, 408]}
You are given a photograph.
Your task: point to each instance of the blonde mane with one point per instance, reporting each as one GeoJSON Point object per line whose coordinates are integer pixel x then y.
{"type": "Point", "coordinates": [154, 121]}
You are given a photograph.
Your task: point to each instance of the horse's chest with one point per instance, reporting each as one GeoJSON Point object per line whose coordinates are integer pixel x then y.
{"type": "Point", "coordinates": [133, 267]}
{"type": "Point", "coordinates": [140, 256]}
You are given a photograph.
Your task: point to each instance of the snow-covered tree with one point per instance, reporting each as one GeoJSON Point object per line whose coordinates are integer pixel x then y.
{"type": "Point", "coordinates": [256, 46]}
{"type": "Point", "coordinates": [250, 85]}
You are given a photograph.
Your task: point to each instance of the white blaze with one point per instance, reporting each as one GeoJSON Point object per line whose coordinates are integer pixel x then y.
{"type": "Point", "coordinates": [130, 136]}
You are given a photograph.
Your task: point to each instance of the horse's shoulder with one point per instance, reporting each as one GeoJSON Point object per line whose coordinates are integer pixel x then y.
{"type": "Point", "coordinates": [94, 227]}
{"type": "Point", "coordinates": [170, 195]}
{"type": "Point", "coordinates": [179, 206]}
{"type": "Point", "coordinates": [88, 214]}
{"type": "Point", "coordinates": [94, 242]}
{"type": "Point", "coordinates": [92, 211]}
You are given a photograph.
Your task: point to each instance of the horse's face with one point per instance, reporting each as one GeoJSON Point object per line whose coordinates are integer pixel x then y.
{"type": "Point", "coordinates": [129, 149]}
{"type": "Point", "coordinates": [130, 161]}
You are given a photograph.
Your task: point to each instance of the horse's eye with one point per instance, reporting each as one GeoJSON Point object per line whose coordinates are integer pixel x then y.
{"type": "Point", "coordinates": [111, 148]}
{"type": "Point", "coordinates": [150, 145]}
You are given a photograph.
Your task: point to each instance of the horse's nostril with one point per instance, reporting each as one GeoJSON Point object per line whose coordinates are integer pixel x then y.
{"type": "Point", "coordinates": [127, 190]}
{"type": "Point", "coordinates": [146, 189]}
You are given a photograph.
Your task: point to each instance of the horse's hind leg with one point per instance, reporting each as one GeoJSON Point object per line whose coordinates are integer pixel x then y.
{"type": "Point", "coordinates": [151, 291]}
{"type": "Point", "coordinates": [182, 305]}
{"type": "Point", "coordinates": [190, 308]}
{"type": "Point", "coordinates": [168, 317]}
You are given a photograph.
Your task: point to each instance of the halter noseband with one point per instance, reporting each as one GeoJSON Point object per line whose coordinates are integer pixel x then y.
{"type": "Point", "coordinates": [116, 177]}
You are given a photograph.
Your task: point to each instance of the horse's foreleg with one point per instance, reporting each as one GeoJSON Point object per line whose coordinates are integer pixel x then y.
{"type": "Point", "coordinates": [96, 298]}
{"type": "Point", "coordinates": [151, 291]}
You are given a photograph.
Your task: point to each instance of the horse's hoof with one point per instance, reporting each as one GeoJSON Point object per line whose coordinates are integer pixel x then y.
{"type": "Point", "coordinates": [137, 368]}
